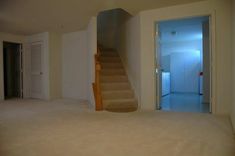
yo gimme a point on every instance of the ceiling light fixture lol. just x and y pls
(174, 33)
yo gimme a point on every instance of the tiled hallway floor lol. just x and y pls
(184, 103)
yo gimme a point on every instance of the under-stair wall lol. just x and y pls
(129, 51)
(92, 49)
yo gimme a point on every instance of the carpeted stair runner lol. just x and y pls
(116, 91)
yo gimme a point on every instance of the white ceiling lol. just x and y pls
(27, 17)
(184, 29)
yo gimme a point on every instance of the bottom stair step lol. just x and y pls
(120, 105)
(119, 94)
(116, 91)
(121, 110)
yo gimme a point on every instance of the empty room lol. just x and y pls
(117, 77)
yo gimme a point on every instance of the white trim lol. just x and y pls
(156, 59)
(212, 25)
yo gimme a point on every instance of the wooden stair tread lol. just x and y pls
(116, 90)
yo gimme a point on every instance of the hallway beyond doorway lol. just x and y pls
(179, 102)
(183, 65)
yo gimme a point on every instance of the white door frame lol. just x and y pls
(212, 59)
(158, 67)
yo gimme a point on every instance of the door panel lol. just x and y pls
(36, 70)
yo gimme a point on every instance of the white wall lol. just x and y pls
(222, 60)
(129, 50)
(233, 51)
(74, 65)
(92, 50)
(55, 62)
(16, 39)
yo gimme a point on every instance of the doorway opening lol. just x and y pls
(183, 65)
(13, 73)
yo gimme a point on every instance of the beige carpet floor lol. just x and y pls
(68, 128)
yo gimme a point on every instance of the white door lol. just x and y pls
(36, 70)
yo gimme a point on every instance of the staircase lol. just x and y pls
(116, 92)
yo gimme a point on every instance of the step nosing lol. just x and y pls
(113, 76)
(109, 70)
(121, 100)
(126, 83)
(124, 90)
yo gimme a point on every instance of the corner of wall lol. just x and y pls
(92, 49)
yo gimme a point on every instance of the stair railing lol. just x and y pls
(96, 84)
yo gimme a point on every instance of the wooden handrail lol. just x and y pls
(96, 84)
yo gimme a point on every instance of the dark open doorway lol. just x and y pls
(12, 70)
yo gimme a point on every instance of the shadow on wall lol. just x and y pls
(109, 27)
